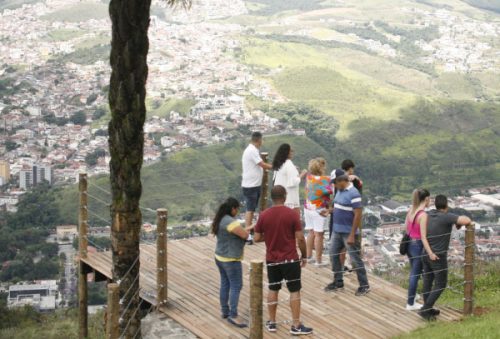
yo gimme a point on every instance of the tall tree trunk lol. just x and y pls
(127, 93)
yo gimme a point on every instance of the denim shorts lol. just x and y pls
(251, 196)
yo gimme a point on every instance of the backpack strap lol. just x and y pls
(414, 219)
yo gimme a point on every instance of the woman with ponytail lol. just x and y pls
(231, 238)
(416, 216)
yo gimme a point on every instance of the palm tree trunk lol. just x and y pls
(127, 93)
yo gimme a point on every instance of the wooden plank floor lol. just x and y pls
(194, 284)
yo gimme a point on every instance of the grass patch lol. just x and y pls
(63, 34)
(86, 56)
(459, 86)
(13, 4)
(345, 99)
(61, 324)
(163, 109)
(487, 300)
(82, 11)
(101, 39)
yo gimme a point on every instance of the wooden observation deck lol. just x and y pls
(193, 296)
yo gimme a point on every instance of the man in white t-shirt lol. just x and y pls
(253, 170)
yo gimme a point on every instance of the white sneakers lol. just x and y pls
(320, 264)
(414, 307)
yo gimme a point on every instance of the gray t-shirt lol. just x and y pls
(438, 229)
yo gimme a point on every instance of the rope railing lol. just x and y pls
(130, 295)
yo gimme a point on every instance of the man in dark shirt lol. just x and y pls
(280, 228)
(348, 167)
(436, 239)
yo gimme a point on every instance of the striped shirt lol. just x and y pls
(344, 204)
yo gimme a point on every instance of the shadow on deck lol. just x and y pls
(193, 301)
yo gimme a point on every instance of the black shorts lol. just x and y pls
(288, 271)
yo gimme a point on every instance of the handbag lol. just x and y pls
(405, 242)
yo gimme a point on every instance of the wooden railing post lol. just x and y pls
(469, 269)
(161, 257)
(82, 252)
(256, 312)
(265, 185)
(113, 311)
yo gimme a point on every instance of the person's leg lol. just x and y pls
(427, 277)
(343, 255)
(318, 239)
(309, 243)
(337, 245)
(274, 277)
(235, 276)
(292, 273)
(295, 308)
(414, 253)
(248, 218)
(272, 304)
(357, 263)
(309, 227)
(440, 269)
(224, 289)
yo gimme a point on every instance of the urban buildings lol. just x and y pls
(30, 177)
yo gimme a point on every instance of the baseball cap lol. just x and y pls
(338, 174)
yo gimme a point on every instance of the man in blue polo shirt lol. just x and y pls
(346, 221)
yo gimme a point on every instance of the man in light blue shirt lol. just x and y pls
(347, 215)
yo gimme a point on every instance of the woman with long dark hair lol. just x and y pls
(287, 175)
(231, 238)
(414, 219)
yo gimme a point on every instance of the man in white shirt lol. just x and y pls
(253, 170)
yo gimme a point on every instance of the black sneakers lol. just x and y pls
(301, 330)
(362, 291)
(434, 311)
(270, 326)
(334, 286)
(427, 315)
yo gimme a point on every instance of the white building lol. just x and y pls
(41, 296)
(33, 176)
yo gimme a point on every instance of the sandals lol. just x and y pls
(237, 324)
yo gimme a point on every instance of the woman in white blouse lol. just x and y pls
(287, 175)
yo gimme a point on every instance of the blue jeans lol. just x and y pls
(337, 243)
(415, 248)
(231, 282)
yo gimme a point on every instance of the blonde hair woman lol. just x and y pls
(316, 207)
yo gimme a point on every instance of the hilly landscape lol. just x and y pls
(409, 89)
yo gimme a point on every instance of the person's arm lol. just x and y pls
(239, 231)
(258, 237)
(301, 243)
(423, 221)
(463, 221)
(236, 229)
(356, 223)
(265, 165)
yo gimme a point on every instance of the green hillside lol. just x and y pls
(490, 5)
(444, 146)
(79, 12)
(190, 183)
(13, 4)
